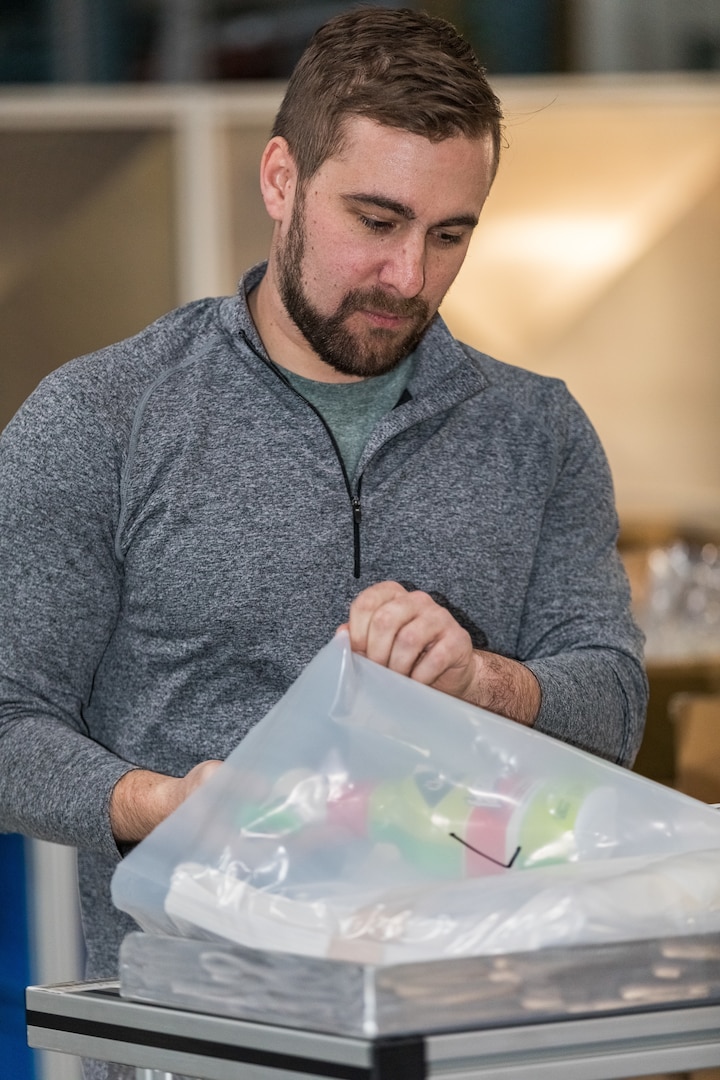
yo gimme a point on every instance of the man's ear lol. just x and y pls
(278, 178)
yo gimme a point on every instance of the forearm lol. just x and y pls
(141, 799)
(55, 783)
(505, 687)
(595, 699)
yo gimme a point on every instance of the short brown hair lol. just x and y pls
(402, 68)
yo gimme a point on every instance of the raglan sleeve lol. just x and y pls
(60, 463)
(578, 635)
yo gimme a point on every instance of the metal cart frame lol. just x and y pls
(92, 1020)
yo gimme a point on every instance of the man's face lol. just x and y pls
(375, 239)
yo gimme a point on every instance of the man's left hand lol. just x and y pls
(410, 633)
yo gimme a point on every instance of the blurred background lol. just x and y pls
(100, 41)
(130, 136)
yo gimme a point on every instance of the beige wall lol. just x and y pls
(115, 207)
(597, 260)
(94, 265)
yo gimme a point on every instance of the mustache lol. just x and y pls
(376, 299)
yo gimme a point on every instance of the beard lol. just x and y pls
(375, 352)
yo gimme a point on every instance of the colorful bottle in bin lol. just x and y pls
(430, 820)
(565, 821)
(296, 799)
(444, 829)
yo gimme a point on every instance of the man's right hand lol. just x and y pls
(142, 799)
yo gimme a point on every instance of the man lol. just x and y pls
(187, 517)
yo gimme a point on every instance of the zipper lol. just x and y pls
(357, 519)
(355, 504)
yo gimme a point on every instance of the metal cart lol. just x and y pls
(92, 1020)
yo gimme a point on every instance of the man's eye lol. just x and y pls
(448, 239)
(375, 224)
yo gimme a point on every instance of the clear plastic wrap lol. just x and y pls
(437, 995)
(371, 819)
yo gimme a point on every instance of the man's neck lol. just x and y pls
(283, 342)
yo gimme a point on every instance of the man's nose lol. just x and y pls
(404, 268)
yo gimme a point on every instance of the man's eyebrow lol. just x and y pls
(405, 211)
(382, 203)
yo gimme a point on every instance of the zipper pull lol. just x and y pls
(357, 518)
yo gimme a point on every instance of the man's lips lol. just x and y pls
(383, 312)
(385, 319)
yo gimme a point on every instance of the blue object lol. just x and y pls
(16, 1059)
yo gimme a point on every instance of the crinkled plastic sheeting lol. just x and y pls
(371, 819)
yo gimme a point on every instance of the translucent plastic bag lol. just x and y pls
(373, 819)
